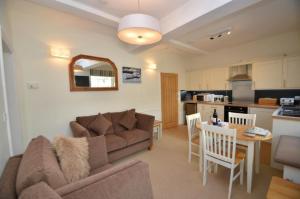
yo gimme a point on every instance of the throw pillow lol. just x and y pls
(73, 154)
(100, 125)
(85, 120)
(128, 120)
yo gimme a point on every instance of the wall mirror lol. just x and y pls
(89, 73)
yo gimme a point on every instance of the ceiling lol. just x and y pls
(254, 23)
(121, 8)
(187, 25)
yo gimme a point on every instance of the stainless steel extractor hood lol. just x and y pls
(240, 73)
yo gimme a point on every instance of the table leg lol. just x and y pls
(250, 158)
(257, 157)
(160, 130)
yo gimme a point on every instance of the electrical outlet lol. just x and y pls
(32, 85)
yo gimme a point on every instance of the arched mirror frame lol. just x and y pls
(73, 86)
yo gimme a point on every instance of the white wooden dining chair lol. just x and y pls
(242, 119)
(219, 147)
(193, 138)
(245, 119)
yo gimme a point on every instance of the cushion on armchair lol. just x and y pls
(73, 154)
(97, 152)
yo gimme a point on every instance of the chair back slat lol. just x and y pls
(219, 142)
(191, 124)
(242, 119)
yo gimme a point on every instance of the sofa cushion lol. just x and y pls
(38, 164)
(128, 120)
(114, 142)
(85, 120)
(108, 117)
(8, 178)
(100, 125)
(73, 154)
(97, 152)
(115, 118)
(135, 136)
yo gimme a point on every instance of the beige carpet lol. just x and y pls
(174, 178)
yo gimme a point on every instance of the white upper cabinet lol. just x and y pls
(208, 79)
(277, 74)
(218, 79)
(193, 80)
(267, 75)
(292, 72)
(281, 73)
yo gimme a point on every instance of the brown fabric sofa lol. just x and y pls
(37, 175)
(120, 141)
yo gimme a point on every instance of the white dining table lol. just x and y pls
(253, 149)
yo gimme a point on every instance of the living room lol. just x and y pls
(38, 99)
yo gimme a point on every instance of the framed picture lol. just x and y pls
(131, 75)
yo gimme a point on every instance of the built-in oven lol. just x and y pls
(234, 109)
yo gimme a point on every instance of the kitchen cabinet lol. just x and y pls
(282, 126)
(192, 81)
(218, 79)
(292, 72)
(208, 79)
(206, 111)
(277, 74)
(267, 75)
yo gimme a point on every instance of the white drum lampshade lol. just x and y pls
(139, 29)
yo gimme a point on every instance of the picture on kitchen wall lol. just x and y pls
(131, 75)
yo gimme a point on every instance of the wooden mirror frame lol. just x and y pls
(73, 86)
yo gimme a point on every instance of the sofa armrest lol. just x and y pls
(9, 177)
(145, 122)
(39, 191)
(78, 130)
(130, 180)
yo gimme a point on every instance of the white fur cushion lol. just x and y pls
(73, 154)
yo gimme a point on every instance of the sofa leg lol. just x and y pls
(150, 147)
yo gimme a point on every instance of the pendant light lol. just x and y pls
(139, 29)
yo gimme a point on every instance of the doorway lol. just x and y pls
(169, 99)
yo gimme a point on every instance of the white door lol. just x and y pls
(5, 146)
(292, 72)
(268, 75)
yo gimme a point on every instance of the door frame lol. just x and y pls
(162, 104)
(5, 115)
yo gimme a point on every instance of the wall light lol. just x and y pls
(60, 52)
(152, 66)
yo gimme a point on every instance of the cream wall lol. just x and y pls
(49, 109)
(266, 48)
